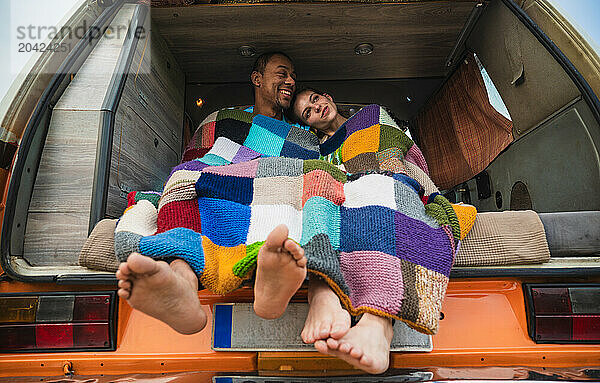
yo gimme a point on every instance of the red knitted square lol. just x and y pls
(179, 214)
(192, 154)
(320, 183)
(208, 134)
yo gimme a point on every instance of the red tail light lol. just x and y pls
(564, 314)
(57, 321)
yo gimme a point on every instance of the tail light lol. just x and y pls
(57, 321)
(563, 313)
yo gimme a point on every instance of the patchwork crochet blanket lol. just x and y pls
(368, 229)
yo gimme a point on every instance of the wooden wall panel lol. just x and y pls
(147, 140)
(59, 211)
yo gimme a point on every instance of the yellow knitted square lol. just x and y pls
(362, 141)
(218, 274)
(466, 217)
(431, 289)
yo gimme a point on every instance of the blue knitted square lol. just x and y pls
(179, 242)
(367, 228)
(273, 125)
(408, 181)
(214, 160)
(292, 150)
(236, 189)
(224, 222)
(263, 141)
(321, 216)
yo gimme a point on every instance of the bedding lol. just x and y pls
(372, 232)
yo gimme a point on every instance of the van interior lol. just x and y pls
(500, 118)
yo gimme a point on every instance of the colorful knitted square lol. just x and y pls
(225, 148)
(367, 228)
(265, 218)
(224, 222)
(233, 124)
(371, 189)
(280, 190)
(381, 289)
(179, 214)
(278, 127)
(321, 216)
(262, 140)
(362, 141)
(235, 189)
(321, 183)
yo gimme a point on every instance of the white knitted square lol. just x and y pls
(278, 191)
(225, 148)
(372, 189)
(139, 219)
(264, 218)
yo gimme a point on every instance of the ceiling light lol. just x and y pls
(199, 102)
(247, 51)
(363, 49)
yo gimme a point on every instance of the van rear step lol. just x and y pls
(237, 328)
(416, 376)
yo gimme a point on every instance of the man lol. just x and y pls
(169, 292)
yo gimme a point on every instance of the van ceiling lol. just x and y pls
(410, 39)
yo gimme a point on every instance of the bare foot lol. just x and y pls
(166, 292)
(280, 271)
(366, 345)
(326, 316)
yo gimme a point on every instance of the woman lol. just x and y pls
(373, 150)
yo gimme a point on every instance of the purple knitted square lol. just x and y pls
(365, 118)
(243, 169)
(374, 279)
(245, 154)
(190, 165)
(423, 245)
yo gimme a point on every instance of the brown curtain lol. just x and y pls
(459, 131)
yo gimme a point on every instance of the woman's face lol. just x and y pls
(315, 110)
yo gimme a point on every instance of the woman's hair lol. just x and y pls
(291, 115)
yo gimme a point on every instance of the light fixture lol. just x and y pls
(363, 49)
(247, 51)
(199, 102)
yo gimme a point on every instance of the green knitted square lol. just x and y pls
(248, 263)
(450, 213)
(392, 137)
(235, 114)
(152, 197)
(337, 174)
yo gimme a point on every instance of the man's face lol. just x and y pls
(278, 83)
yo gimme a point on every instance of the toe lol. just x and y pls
(293, 248)
(124, 269)
(125, 285)
(346, 348)
(305, 335)
(123, 293)
(366, 360)
(302, 262)
(333, 343)
(276, 238)
(140, 264)
(324, 332)
(356, 352)
(321, 346)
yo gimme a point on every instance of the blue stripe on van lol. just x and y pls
(222, 332)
